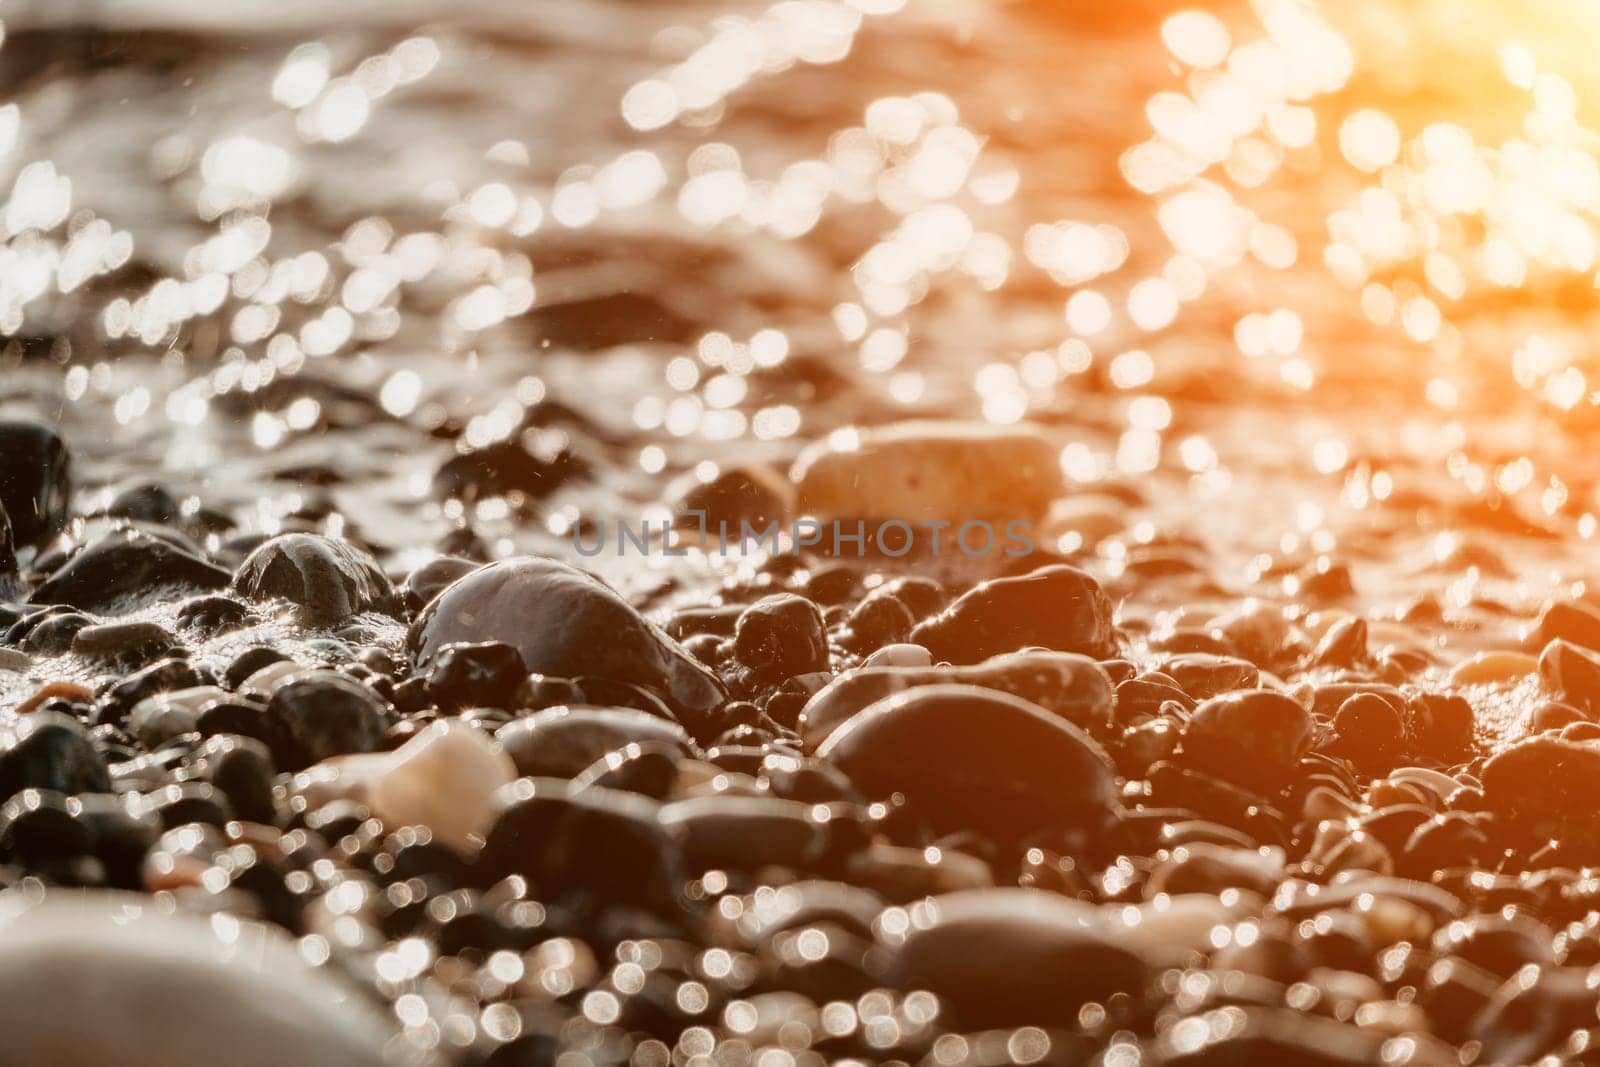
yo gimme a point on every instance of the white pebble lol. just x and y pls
(444, 779)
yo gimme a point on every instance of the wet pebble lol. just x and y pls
(1063, 683)
(781, 636)
(328, 714)
(597, 843)
(1252, 738)
(917, 471)
(565, 623)
(1008, 957)
(1572, 674)
(328, 580)
(445, 779)
(49, 750)
(967, 757)
(126, 567)
(124, 640)
(563, 742)
(1057, 607)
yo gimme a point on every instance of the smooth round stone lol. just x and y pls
(248, 662)
(157, 719)
(242, 768)
(1369, 732)
(566, 623)
(262, 683)
(1571, 621)
(563, 742)
(54, 634)
(328, 580)
(1016, 957)
(920, 471)
(596, 842)
(649, 768)
(1201, 866)
(445, 779)
(430, 579)
(1057, 607)
(1074, 687)
(40, 827)
(330, 714)
(35, 479)
(904, 654)
(123, 638)
(12, 660)
(1202, 675)
(165, 986)
(971, 758)
(1252, 738)
(49, 750)
(1572, 674)
(1544, 786)
(745, 833)
(123, 568)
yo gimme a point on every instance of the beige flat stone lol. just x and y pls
(929, 471)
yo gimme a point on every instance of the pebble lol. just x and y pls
(1253, 738)
(1370, 732)
(49, 750)
(243, 769)
(929, 471)
(165, 985)
(326, 579)
(565, 623)
(157, 719)
(1013, 957)
(1566, 620)
(745, 833)
(35, 479)
(1488, 668)
(967, 757)
(1063, 683)
(1543, 787)
(1057, 607)
(126, 567)
(118, 639)
(329, 714)
(488, 674)
(12, 660)
(1572, 674)
(563, 742)
(445, 779)
(1202, 675)
(781, 636)
(261, 683)
(899, 655)
(431, 579)
(602, 842)
(212, 615)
